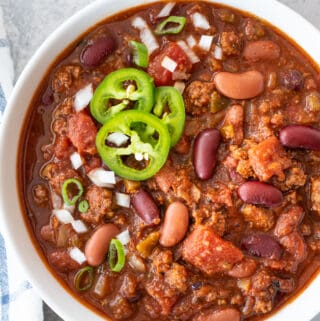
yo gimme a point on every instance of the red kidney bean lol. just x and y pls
(259, 193)
(204, 152)
(300, 136)
(226, 314)
(262, 245)
(175, 226)
(292, 79)
(98, 244)
(243, 269)
(94, 54)
(261, 50)
(146, 208)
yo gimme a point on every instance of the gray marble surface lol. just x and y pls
(30, 22)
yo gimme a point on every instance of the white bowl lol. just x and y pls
(13, 227)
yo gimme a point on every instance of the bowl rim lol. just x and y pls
(11, 225)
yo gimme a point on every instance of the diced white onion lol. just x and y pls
(146, 156)
(79, 226)
(169, 64)
(165, 11)
(138, 156)
(205, 42)
(191, 55)
(218, 54)
(118, 139)
(64, 216)
(124, 237)
(77, 255)
(83, 98)
(180, 85)
(191, 41)
(76, 160)
(69, 208)
(200, 21)
(56, 200)
(123, 199)
(102, 178)
(146, 34)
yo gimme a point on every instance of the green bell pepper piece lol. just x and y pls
(179, 23)
(112, 88)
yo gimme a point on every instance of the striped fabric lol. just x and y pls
(19, 302)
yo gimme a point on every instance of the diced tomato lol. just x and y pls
(163, 76)
(82, 133)
(204, 249)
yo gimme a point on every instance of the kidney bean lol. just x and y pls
(204, 152)
(300, 136)
(146, 208)
(226, 314)
(243, 269)
(292, 79)
(261, 50)
(98, 244)
(94, 54)
(262, 245)
(175, 226)
(244, 85)
(259, 193)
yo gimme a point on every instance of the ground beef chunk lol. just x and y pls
(233, 125)
(82, 133)
(62, 261)
(253, 29)
(40, 194)
(47, 233)
(176, 182)
(197, 97)
(221, 195)
(62, 148)
(161, 260)
(120, 308)
(231, 43)
(204, 249)
(315, 194)
(258, 218)
(59, 174)
(288, 221)
(64, 78)
(64, 109)
(268, 158)
(129, 287)
(100, 201)
(177, 277)
(162, 292)
(60, 126)
(295, 178)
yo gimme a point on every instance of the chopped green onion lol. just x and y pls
(161, 27)
(83, 206)
(117, 256)
(80, 278)
(140, 54)
(66, 190)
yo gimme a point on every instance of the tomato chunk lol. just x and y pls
(204, 249)
(161, 75)
(82, 132)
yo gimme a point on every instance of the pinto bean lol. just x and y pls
(94, 54)
(261, 50)
(98, 244)
(259, 193)
(175, 224)
(300, 136)
(243, 269)
(146, 208)
(262, 245)
(204, 152)
(227, 314)
(244, 85)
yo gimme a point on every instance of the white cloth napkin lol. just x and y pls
(19, 302)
